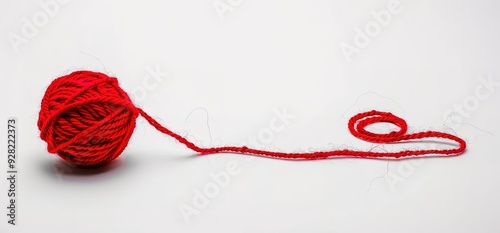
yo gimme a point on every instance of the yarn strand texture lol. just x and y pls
(87, 119)
(356, 125)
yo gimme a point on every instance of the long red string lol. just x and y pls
(356, 125)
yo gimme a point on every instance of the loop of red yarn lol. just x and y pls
(87, 119)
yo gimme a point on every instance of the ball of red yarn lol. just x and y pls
(86, 118)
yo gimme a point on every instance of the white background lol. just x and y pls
(233, 70)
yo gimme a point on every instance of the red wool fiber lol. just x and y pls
(87, 119)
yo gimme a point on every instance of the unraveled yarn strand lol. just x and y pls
(87, 119)
(356, 126)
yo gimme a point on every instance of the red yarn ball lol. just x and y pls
(86, 118)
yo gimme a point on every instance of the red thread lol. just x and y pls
(87, 119)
